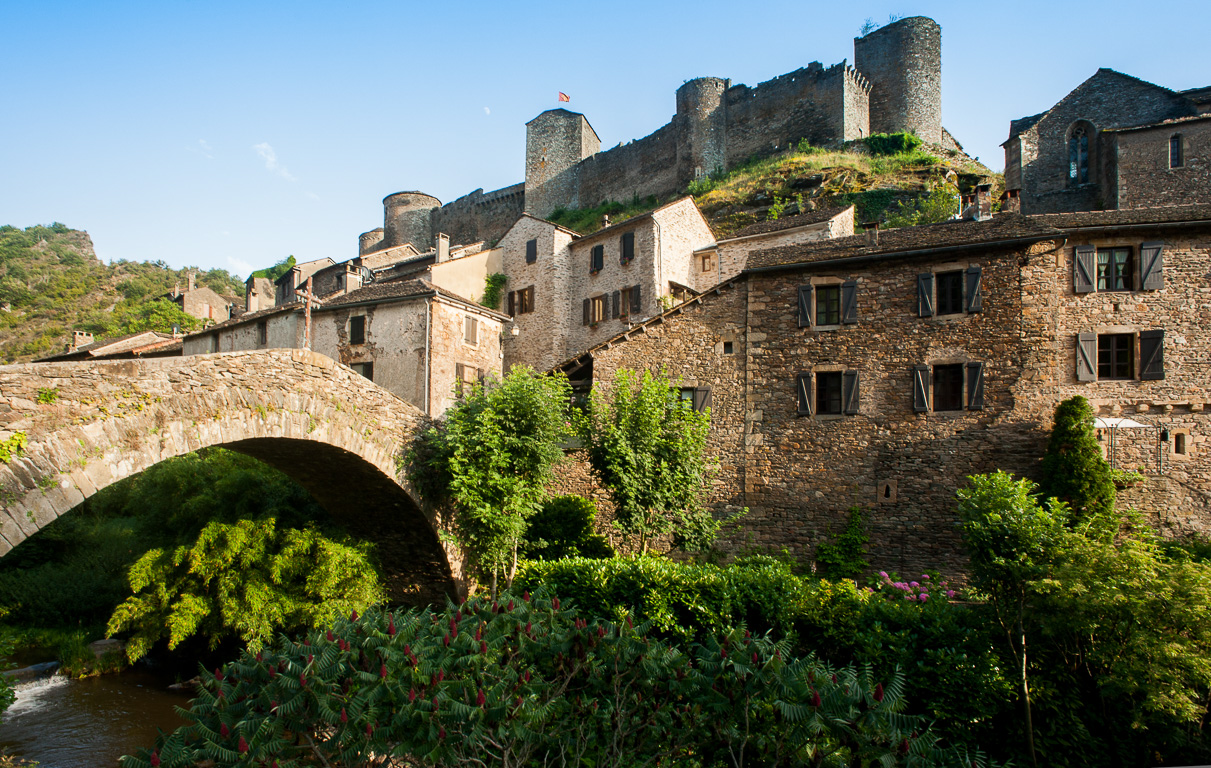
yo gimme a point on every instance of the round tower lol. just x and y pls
(369, 241)
(903, 62)
(701, 106)
(406, 218)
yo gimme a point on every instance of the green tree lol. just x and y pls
(1013, 542)
(1073, 468)
(161, 315)
(246, 578)
(648, 448)
(491, 459)
(564, 528)
(277, 270)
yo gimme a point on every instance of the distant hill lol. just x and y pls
(51, 282)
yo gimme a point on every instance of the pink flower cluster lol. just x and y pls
(915, 591)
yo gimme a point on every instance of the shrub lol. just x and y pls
(531, 682)
(1073, 468)
(845, 558)
(492, 288)
(564, 527)
(891, 143)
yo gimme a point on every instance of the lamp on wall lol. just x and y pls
(514, 330)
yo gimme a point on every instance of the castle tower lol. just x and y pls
(369, 241)
(903, 62)
(406, 217)
(556, 141)
(700, 104)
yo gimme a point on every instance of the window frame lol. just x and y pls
(366, 369)
(1080, 158)
(357, 322)
(471, 330)
(626, 248)
(262, 333)
(1177, 151)
(1116, 340)
(832, 308)
(599, 308)
(955, 372)
(810, 392)
(532, 250)
(596, 258)
(525, 300)
(956, 295)
(830, 397)
(1102, 271)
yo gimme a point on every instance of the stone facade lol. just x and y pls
(731, 254)
(1147, 173)
(903, 62)
(543, 329)
(298, 411)
(1114, 167)
(203, 303)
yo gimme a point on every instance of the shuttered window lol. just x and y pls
(525, 300)
(920, 388)
(1084, 269)
(357, 329)
(828, 305)
(262, 332)
(925, 295)
(948, 387)
(1152, 275)
(849, 302)
(950, 293)
(635, 304)
(531, 251)
(1115, 269)
(849, 392)
(1086, 357)
(1152, 355)
(585, 320)
(698, 398)
(805, 306)
(598, 308)
(616, 305)
(828, 392)
(626, 248)
(596, 258)
(975, 386)
(973, 298)
(471, 330)
(1116, 356)
(803, 394)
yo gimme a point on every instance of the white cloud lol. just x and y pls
(203, 148)
(238, 267)
(271, 161)
(487, 111)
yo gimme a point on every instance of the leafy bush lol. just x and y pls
(891, 143)
(564, 527)
(531, 682)
(492, 287)
(588, 220)
(933, 208)
(1073, 468)
(845, 558)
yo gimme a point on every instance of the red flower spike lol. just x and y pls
(756, 660)
(407, 650)
(155, 759)
(816, 698)
(411, 695)
(307, 642)
(258, 656)
(479, 632)
(723, 653)
(391, 627)
(510, 605)
(273, 705)
(369, 731)
(527, 627)
(879, 692)
(600, 631)
(904, 746)
(242, 747)
(310, 658)
(344, 717)
(480, 699)
(527, 675)
(834, 679)
(629, 624)
(441, 733)
(353, 615)
(518, 702)
(432, 680)
(526, 596)
(441, 675)
(223, 730)
(434, 703)
(331, 636)
(454, 634)
(483, 646)
(302, 680)
(555, 603)
(218, 674)
(446, 640)
(382, 671)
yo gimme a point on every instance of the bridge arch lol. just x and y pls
(89, 424)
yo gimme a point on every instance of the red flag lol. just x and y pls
(563, 96)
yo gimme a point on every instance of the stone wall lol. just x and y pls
(732, 254)
(394, 342)
(1143, 176)
(479, 215)
(283, 330)
(903, 62)
(542, 335)
(448, 348)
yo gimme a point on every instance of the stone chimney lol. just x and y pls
(605, 221)
(443, 248)
(192, 283)
(983, 202)
(79, 339)
(872, 232)
(1011, 201)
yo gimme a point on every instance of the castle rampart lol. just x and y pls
(407, 218)
(903, 62)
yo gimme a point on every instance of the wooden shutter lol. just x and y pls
(616, 304)
(460, 373)
(1152, 355)
(512, 303)
(849, 302)
(1086, 357)
(1152, 275)
(585, 321)
(975, 386)
(920, 388)
(849, 392)
(805, 306)
(627, 248)
(596, 258)
(803, 391)
(925, 295)
(529, 299)
(1084, 269)
(479, 375)
(531, 251)
(702, 398)
(973, 298)
(636, 302)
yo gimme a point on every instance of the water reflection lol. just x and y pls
(90, 723)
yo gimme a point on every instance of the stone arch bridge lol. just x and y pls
(330, 429)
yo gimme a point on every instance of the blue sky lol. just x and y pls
(225, 134)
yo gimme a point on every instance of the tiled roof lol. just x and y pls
(1009, 227)
(1162, 123)
(402, 289)
(130, 341)
(1168, 214)
(615, 227)
(798, 220)
(247, 317)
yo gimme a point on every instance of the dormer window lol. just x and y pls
(1175, 151)
(1078, 156)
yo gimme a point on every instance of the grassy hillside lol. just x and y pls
(52, 282)
(894, 179)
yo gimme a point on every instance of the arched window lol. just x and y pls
(1175, 151)
(1078, 155)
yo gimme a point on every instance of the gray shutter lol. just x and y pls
(1152, 274)
(803, 393)
(975, 386)
(974, 297)
(849, 302)
(805, 306)
(925, 295)
(586, 313)
(512, 303)
(459, 374)
(920, 388)
(626, 251)
(1084, 269)
(615, 304)
(531, 251)
(1086, 357)
(849, 392)
(1152, 355)
(702, 398)
(636, 301)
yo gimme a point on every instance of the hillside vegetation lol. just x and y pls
(51, 282)
(892, 178)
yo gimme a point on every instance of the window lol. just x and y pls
(828, 305)
(596, 259)
(707, 262)
(836, 393)
(596, 309)
(470, 330)
(364, 369)
(950, 292)
(728, 348)
(1175, 151)
(1179, 443)
(262, 332)
(631, 304)
(531, 251)
(525, 300)
(698, 398)
(948, 387)
(1078, 156)
(1114, 269)
(828, 393)
(1116, 356)
(357, 329)
(626, 249)
(214, 342)
(466, 377)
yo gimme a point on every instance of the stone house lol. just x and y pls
(286, 285)
(145, 344)
(880, 371)
(202, 302)
(412, 337)
(727, 257)
(1113, 142)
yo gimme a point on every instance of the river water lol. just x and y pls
(89, 723)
